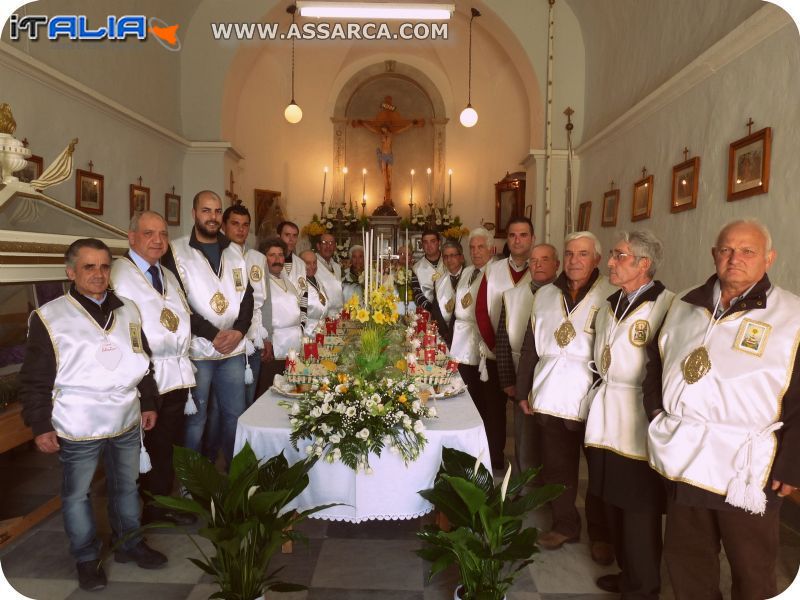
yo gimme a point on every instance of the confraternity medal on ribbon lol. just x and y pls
(696, 365)
(255, 274)
(564, 334)
(436, 276)
(605, 359)
(219, 303)
(169, 319)
(451, 304)
(466, 300)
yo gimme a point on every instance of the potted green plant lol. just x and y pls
(487, 539)
(244, 517)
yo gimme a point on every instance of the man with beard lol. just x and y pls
(236, 225)
(500, 276)
(329, 273)
(316, 294)
(723, 392)
(214, 276)
(554, 372)
(466, 337)
(616, 427)
(515, 316)
(285, 327)
(138, 276)
(427, 270)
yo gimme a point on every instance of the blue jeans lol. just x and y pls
(226, 379)
(79, 461)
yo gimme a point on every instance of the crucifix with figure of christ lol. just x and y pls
(386, 124)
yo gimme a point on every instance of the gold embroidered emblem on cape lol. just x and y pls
(696, 365)
(169, 320)
(466, 300)
(219, 303)
(639, 333)
(451, 304)
(256, 274)
(564, 334)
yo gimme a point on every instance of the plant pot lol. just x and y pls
(457, 594)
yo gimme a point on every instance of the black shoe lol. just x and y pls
(178, 518)
(91, 576)
(143, 555)
(609, 583)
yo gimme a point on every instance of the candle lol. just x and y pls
(324, 181)
(344, 185)
(412, 190)
(430, 186)
(450, 194)
(364, 184)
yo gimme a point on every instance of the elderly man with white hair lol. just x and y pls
(723, 390)
(553, 379)
(352, 278)
(616, 428)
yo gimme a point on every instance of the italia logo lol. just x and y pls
(77, 27)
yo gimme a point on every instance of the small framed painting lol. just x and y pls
(642, 199)
(685, 177)
(172, 209)
(32, 170)
(748, 165)
(610, 208)
(89, 192)
(140, 199)
(584, 213)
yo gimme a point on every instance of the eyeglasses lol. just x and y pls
(328, 243)
(726, 252)
(620, 256)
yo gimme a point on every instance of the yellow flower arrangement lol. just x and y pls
(313, 229)
(362, 315)
(455, 232)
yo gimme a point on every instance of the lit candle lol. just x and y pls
(412, 192)
(430, 186)
(324, 181)
(344, 186)
(450, 193)
(363, 184)
(405, 292)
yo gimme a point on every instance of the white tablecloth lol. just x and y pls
(390, 492)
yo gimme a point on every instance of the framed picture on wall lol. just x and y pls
(685, 177)
(32, 170)
(642, 199)
(584, 213)
(748, 165)
(610, 208)
(89, 192)
(172, 209)
(140, 199)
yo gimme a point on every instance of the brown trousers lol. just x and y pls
(561, 443)
(692, 544)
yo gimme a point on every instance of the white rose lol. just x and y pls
(326, 409)
(419, 427)
(364, 433)
(309, 450)
(412, 388)
(335, 439)
(316, 412)
(295, 408)
(351, 411)
(318, 450)
(431, 412)
(415, 406)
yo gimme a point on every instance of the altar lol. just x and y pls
(390, 492)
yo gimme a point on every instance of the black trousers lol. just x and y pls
(636, 536)
(158, 442)
(267, 374)
(561, 443)
(495, 404)
(692, 541)
(472, 378)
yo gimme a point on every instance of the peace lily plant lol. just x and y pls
(487, 539)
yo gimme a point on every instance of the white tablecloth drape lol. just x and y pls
(390, 492)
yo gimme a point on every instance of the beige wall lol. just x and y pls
(707, 117)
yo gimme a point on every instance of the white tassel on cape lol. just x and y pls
(144, 458)
(248, 373)
(190, 408)
(744, 490)
(483, 349)
(249, 348)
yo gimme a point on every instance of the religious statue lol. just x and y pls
(387, 123)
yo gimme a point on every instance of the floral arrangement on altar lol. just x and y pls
(349, 417)
(438, 219)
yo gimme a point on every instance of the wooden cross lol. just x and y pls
(644, 172)
(173, 190)
(140, 181)
(25, 142)
(91, 166)
(749, 125)
(685, 153)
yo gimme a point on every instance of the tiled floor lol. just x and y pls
(374, 560)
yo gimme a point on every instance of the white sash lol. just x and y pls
(498, 280)
(427, 275)
(316, 310)
(285, 317)
(332, 282)
(518, 302)
(170, 349)
(466, 336)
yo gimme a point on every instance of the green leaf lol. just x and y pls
(473, 496)
(203, 566)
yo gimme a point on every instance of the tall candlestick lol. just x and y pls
(363, 184)
(405, 292)
(364, 246)
(324, 181)
(450, 194)
(430, 187)
(344, 186)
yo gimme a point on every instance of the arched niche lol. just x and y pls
(413, 96)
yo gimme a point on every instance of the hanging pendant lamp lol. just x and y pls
(469, 116)
(293, 113)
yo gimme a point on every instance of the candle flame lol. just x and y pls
(449, 171)
(325, 169)
(363, 171)
(429, 170)
(412, 171)
(344, 170)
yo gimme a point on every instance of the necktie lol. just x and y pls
(156, 275)
(474, 276)
(454, 280)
